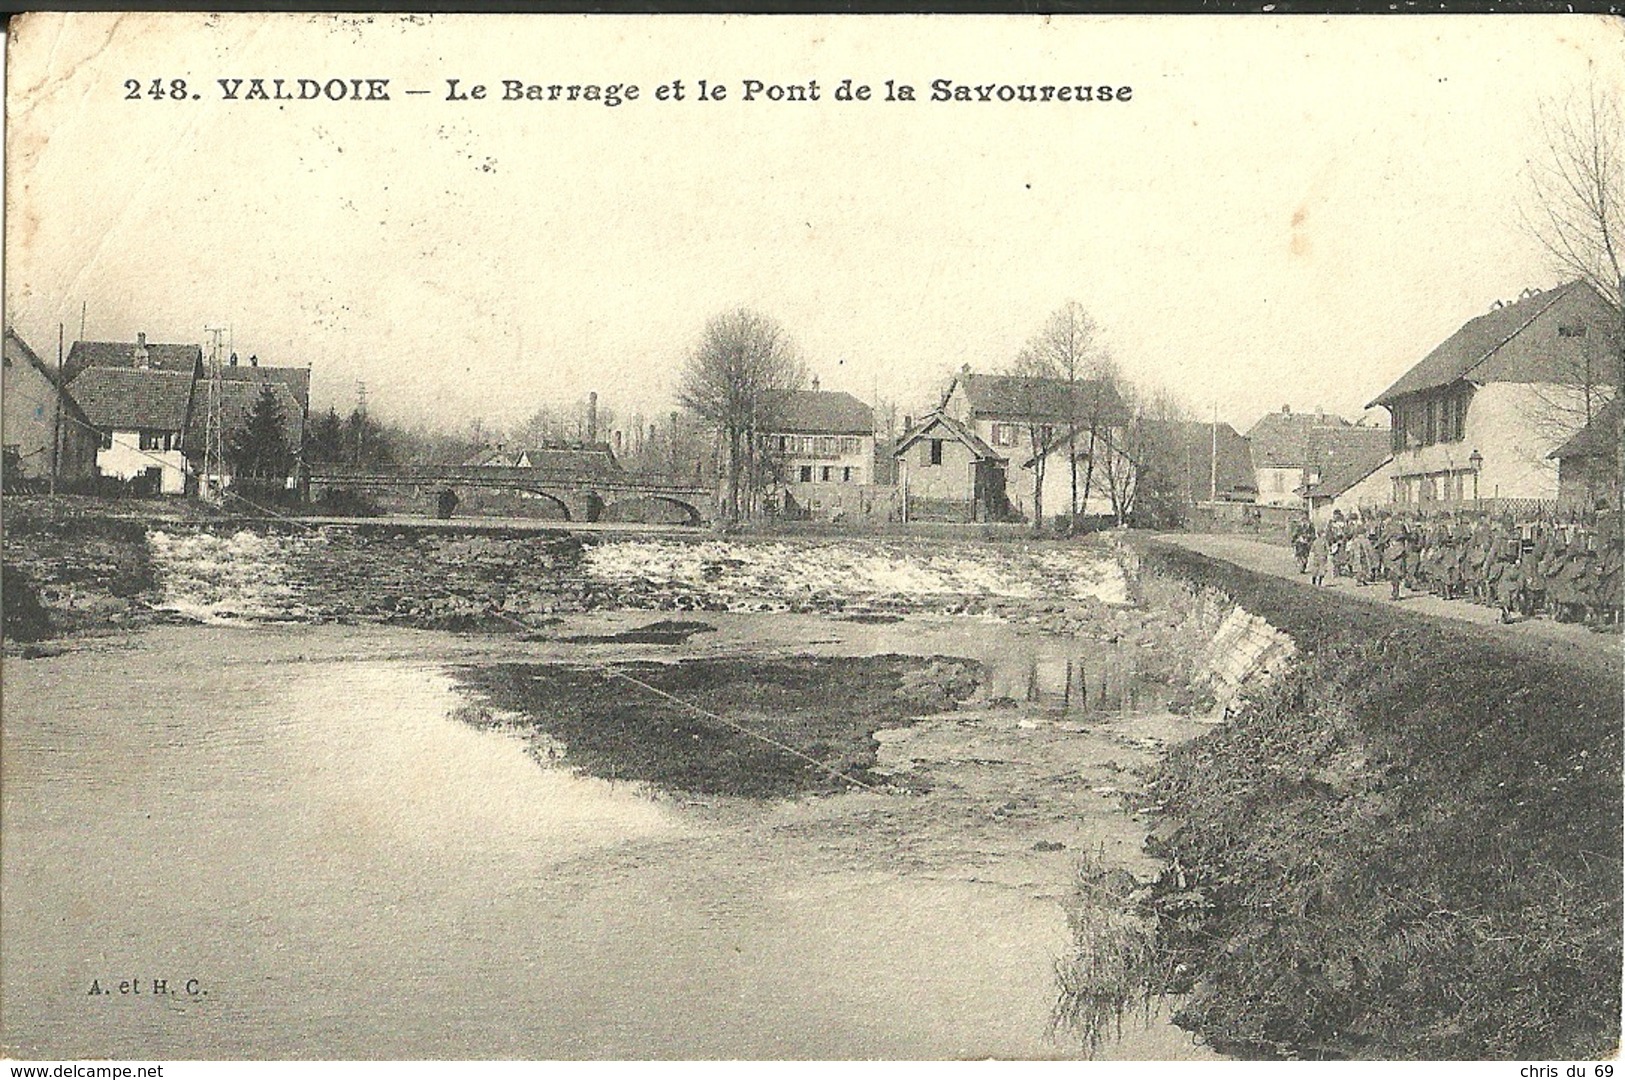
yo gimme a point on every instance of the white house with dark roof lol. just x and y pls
(1478, 411)
(141, 416)
(36, 438)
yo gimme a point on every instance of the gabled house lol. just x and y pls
(149, 404)
(35, 438)
(946, 471)
(823, 437)
(1486, 409)
(141, 416)
(1349, 469)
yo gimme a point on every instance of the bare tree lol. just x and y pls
(738, 379)
(1578, 215)
(1068, 349)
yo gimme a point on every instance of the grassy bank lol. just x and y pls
(1409, 847)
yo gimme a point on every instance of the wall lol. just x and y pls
(27, 421)
(953, 479)
(1276, 486)
(126, 460)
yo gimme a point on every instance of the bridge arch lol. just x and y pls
(557, 500)
(691, 514)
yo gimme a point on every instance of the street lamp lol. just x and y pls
(1475, 461)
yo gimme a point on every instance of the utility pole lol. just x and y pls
(211, 486)
(1213, 461)
(56, 416)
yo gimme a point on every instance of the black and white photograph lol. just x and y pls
(675, 538)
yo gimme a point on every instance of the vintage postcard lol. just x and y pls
(725, 537)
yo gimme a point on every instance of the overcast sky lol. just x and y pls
(1286, 211)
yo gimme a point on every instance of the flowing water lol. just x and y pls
(291, 829)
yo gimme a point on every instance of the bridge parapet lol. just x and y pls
(575, 495)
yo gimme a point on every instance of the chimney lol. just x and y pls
(254, 360)
(233, 360)
(964, 369)
(815, 384)
(1286, 410)
(143, 358)
(592, 417)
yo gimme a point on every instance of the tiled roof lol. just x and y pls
(596, 461)
(131, 399)
(1022, 398)
(980, 450)
(1280, 440)
(121, 354)
(825, 412)
(237, 403)
(1526, 341)
(296, 379)
(1345, 456)
(1601, 436)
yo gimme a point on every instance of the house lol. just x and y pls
(1280, 443)
(141, 416)
(37, 440)
(1480, 415)
(946, 472)
(986, 421)
(138, 354)
(823, 448)
(1588, 465)
(238, 400)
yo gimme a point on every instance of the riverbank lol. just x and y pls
(1409, 847)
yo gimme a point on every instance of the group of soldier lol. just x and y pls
(1569, 570)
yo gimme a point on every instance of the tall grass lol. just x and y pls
(1111, 966)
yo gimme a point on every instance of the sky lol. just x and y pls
(1286, 211)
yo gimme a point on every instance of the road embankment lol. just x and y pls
(1408, 846)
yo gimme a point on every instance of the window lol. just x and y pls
(936, 451)
(806, 474)
(846, 475)
(825, 474)
(104, 439)
(157, 440)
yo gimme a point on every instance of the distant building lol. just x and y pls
(823, 449)
(1488, 407)
(1588, 465)
(1211, 460)
(1280, 444)
(149, 404)
(987, 421)
(1350, 470)
(30, 424)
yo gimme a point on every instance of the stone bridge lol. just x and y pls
(586, 495)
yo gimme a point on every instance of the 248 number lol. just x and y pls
(174, 90)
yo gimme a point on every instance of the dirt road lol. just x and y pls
(1277, 561)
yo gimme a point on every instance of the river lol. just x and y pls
(291, 828)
